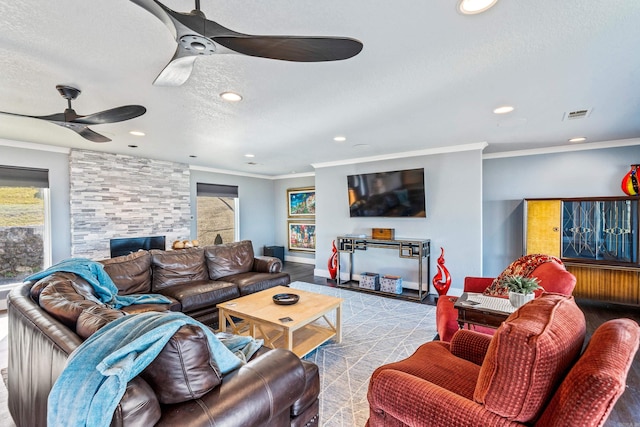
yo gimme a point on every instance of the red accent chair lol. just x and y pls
(530, 373)
(553, 277)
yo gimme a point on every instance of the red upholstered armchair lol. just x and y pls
(529, 373)
(550, 271)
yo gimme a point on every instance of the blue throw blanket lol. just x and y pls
(95, 378)
(104, 288)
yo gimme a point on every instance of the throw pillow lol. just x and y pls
(523, 266)
(184, 369)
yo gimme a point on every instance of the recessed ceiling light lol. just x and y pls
(132, 146)
(471, 7)
(504, 109)
(578, 139)
(137, 133)
(340, 138)
(193, 156)
(249, 155)
(231, 96)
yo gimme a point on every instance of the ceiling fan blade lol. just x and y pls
(83, 131)
(293, 48)
(87, 133)
(114, 115)
(58, 117)
(159, 11)
(177, 70)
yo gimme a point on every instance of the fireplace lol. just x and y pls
(127, 245)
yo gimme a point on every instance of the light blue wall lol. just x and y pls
(58, 166)
(454, 219)
(281, 216)
(256, 206)
(507, 181)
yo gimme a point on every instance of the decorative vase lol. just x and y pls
(630, 184)
(518, 300)
(442, 286)
(332, 264)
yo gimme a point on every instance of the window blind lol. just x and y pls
(12, 176)
(216, 190)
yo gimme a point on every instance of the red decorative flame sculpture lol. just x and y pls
(630, 182)
(333, 261)
(442, 286)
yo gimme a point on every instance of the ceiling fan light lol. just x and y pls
(231, 96)
(472, 7)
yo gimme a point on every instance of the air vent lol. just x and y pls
(577, 114)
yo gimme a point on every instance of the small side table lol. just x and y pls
(473, 313)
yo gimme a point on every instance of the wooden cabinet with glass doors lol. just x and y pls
(596, 238)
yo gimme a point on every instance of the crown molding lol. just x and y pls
(34, 146)
(228, 172)
(563, 149)
(405, 154)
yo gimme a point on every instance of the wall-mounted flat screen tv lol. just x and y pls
(387, 194)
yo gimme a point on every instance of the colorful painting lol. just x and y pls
(302, 236)
(301, 202)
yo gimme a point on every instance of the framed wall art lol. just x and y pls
(302, 236)
(301, 202)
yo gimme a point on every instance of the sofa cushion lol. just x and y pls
(93, 318)
(528, 356)
(138, 406)
(65, 296)
(143, 308)
(249, 283)
(130, 273)
(177, 267)
(228, 259)
(201, 294)
(184, 369)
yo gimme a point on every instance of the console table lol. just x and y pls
(417, 249)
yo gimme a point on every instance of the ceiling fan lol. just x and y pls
(197, 36)
(70, 120)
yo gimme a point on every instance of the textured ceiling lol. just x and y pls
(428, 77)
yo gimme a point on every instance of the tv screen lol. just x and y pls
(387, 194)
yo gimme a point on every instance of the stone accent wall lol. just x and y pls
(114, 196)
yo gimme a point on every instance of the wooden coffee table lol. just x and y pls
(491, 313)
(260, 317)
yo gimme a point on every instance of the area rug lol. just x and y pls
(375, 330)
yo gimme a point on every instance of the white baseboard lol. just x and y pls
(321, 273)
(301, 260)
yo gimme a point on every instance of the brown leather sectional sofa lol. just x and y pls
(50, 318)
